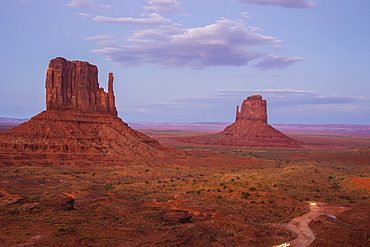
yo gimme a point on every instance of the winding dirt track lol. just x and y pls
(299, 225)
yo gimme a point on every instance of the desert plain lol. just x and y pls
(209, 196)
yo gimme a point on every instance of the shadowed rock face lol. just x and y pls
(74, 85)
(80, 118)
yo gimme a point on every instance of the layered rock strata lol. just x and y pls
(80, 118)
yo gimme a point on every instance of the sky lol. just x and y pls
(195, 60)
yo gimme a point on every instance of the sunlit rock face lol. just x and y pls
(253, 108)
(80, 117)
(74, 85)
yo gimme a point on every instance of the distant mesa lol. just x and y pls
(250, 129)
(80, 117)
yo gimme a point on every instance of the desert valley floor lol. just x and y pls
(208, 196)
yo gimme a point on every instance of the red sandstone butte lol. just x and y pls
(80, 117)
(250, 129)
(74, 85)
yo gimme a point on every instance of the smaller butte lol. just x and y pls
(250, 129)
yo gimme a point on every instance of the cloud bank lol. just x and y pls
(162, 6)
(82, 4)
(224, 43)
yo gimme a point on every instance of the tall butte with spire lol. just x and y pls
(80, 117)
(250, 129)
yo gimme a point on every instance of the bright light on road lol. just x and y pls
(283, 245)
(313, 204)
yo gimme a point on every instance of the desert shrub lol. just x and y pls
(245, 195)
(252, 189)
(344, 197)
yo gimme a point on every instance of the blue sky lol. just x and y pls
(195, 60)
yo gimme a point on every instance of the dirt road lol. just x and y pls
(299, 225)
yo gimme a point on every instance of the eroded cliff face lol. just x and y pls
(253, 108)
(74, 85)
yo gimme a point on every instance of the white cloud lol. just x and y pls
(246, 14)
(82, 4)
(153, 20)
(282, 3)
(162, 6)
(84, 15)
(224, 43)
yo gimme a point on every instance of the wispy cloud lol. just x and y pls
(107, 6)
(282, 3)
(270, 61)
(82, 4)
(152, 19)
(224, 43)
(84, 15)
(162, 6)
(101, 37)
